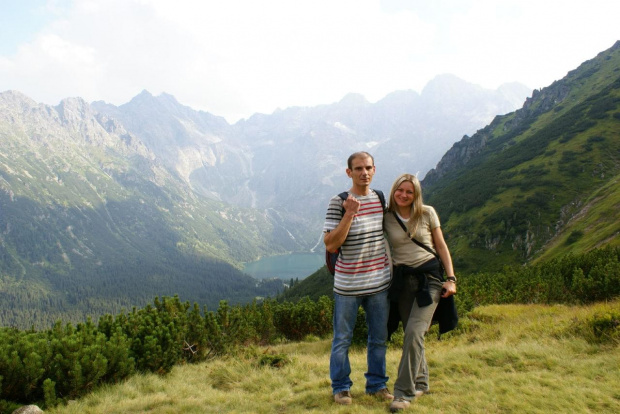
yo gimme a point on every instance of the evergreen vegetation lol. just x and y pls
(120, 285)
(320, 283)
(62, 363)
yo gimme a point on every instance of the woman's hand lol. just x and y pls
(449, 289)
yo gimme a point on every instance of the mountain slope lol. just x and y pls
(528, 181)
(90, 221)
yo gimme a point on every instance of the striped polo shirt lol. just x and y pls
(362, 267)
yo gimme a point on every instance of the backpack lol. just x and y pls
(331, 258)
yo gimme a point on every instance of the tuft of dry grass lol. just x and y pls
(504, 359)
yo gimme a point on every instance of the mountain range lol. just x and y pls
(104, 207)
(290, 162)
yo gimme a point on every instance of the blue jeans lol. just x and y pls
(377, 308)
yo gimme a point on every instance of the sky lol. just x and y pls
(234, 58)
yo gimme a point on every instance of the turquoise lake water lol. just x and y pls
(285, 267)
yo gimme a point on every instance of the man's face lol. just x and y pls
(361, 172)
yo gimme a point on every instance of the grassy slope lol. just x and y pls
(509, 358)
(595, 225)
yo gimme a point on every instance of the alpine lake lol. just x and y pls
(286, 267)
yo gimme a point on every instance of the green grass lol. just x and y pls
(503, 359)
(596, 222)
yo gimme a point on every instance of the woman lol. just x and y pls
(418, 281)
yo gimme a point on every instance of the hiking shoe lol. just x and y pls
(399, 404)
(343, 397)
(383, 394)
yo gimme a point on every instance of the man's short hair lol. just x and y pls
(363, 154)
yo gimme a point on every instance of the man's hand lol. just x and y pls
(351, 205)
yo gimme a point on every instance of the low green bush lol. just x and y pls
(605, 328)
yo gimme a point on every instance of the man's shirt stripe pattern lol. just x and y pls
(362, 267)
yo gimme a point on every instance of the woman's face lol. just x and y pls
(403, 196)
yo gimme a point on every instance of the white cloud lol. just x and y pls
(234, 57)
(533, 42)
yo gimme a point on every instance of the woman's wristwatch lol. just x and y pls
(451, 279)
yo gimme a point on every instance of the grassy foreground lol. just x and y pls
(504, 359)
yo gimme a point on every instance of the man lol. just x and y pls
(362, 278)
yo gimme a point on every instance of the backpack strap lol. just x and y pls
(343, 196)
(332, 258)
(382, 199)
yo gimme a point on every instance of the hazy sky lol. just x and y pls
(234, 58)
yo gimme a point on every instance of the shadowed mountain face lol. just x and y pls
(92, 222)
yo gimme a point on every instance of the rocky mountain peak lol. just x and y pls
(74, 110)
(540, 102)
(353, 100)
(16, 98)
(446, 83)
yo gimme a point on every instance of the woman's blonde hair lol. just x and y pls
(417, 207)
